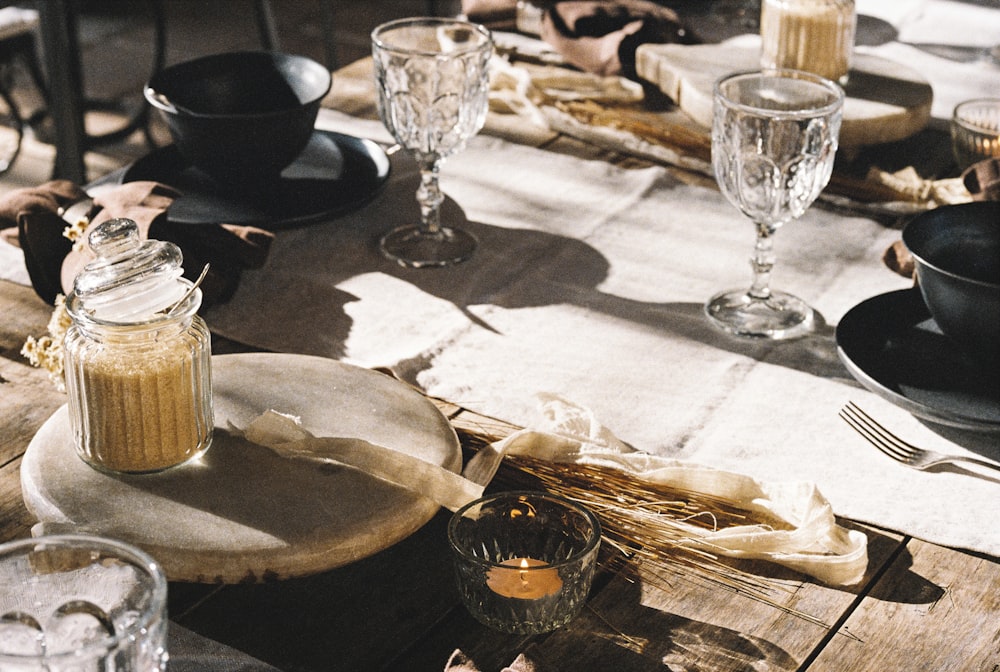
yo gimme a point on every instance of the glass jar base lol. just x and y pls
(413, 247)
(781, 316)
(142, 469)
(515, 626)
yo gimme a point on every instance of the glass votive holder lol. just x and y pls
(75, 602)
(524, 561)
(975, 131)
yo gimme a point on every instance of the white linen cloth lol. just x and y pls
(589, 284)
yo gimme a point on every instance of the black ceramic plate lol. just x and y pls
(891, 345)
(333, 175)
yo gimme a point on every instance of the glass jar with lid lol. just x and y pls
(812, 35)
(137, 356)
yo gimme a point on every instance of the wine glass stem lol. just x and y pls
(429, 197)
(762, 262)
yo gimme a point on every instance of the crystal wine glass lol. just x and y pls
(774, 137)
(433, 87)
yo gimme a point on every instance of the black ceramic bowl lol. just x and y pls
(241, 117)
(956, 249)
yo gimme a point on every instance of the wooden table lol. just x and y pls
(920, 606)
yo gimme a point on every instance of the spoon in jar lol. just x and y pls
(170, 311)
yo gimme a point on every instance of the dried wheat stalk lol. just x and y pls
(645, 533)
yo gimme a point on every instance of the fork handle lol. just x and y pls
(974, 460)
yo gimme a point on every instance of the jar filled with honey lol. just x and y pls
(137, 356)
(816, 36)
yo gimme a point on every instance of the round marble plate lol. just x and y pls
(242, 513)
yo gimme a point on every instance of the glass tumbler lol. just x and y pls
(975, 131)
(524, 561)
(75, 603)
(815, 36)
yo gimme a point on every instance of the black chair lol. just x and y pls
(67, 106)
(18, 50)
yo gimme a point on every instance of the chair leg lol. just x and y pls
(17, 123)
(65, 102)
(266, 25)
(140, 118)
(329, 41)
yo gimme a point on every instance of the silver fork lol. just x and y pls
(900, 450)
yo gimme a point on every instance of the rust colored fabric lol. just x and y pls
(598, 36)
(602, 37)
(53, 262)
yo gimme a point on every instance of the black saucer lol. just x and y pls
(891, 345)
(333, 175)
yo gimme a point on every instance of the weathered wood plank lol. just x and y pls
(357, 617)
(15, 521)
(634, 627)
(934, 609)
(27, 399)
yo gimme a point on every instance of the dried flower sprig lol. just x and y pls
(46, 352)
(75, 231)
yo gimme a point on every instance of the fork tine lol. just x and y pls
(904, 448)
(871, 430)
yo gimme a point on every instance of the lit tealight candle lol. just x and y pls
(524, 579)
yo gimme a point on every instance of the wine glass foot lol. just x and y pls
(413, 247)
(777, 317)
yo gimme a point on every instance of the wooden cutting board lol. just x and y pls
(885, 101)
(242, 513)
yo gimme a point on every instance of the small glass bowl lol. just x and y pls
(975, 131)
(524, 561)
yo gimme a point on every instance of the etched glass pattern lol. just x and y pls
(562, 536)
(73, 603)
(774, 138)
(432, 84)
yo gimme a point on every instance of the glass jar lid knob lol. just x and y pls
(130, 280)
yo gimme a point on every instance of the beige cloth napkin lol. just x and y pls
(982, 180)
(283, 434)
(816, 545)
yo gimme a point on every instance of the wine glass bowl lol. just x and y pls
(774, 138)
(432, 84)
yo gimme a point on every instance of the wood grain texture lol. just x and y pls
(934, 609)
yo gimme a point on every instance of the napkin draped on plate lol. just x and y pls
(595, 36)
(814, 544)
(35, 219)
